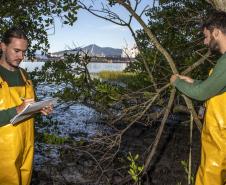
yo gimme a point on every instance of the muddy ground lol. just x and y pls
(166, 168)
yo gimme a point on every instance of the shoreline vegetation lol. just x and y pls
(116, 75)
(73, 159)
(129, 80)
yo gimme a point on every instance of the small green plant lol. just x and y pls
(185, 166)
(135, 170)
(53, 139)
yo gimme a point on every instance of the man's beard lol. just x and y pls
(10, 63)
(214, 46)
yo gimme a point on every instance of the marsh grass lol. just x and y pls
(131, 80)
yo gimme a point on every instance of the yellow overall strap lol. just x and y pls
(1, 82)
(4, 89)
(28, 85)
(23, 76)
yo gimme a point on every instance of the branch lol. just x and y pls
(112, 17)
(159, 134)
(164, 52)
(151, 36)
(196, 64)
(194, 114)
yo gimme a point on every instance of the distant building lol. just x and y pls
(130, 52)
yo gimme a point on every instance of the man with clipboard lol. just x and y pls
(16, 92)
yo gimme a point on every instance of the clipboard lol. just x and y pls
(31, 109)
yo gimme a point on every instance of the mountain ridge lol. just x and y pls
(93, 50)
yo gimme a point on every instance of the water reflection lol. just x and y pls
(73, 120)
(97, 67)
(70, 120)
(92, 67)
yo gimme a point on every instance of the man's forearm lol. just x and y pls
(7, 115)
(200, 90)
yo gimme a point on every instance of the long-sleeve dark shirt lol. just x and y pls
(202, 90)
(13, 78)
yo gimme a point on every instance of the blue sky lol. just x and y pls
(89, 29)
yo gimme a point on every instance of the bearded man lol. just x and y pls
(212, 170)
(16, 92)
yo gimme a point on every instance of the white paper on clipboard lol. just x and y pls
(31, 109)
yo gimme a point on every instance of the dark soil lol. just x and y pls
(166, 167)
(175, 146)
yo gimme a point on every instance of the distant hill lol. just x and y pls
(94, 50)
(102, 51)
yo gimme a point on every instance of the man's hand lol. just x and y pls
(24, 104)
(182, 77)
(173, 78)
(47, 110)
(186, 78)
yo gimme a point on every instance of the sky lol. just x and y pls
(89, 29)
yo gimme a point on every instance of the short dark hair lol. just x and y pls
(216, 20)
(13, 32)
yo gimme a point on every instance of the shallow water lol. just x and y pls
(92, 67)
(76, 121)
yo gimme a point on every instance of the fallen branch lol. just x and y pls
(153, 147)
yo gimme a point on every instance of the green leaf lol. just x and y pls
(135, 178)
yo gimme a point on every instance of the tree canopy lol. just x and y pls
(37, 18)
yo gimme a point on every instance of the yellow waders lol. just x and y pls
(16, 142)
(212, 170)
